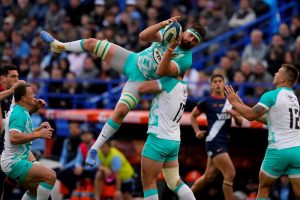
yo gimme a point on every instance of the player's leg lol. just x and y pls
(128, 101)
(112, 54)
(171, 170)
(150, 171)
(43, 177)
(294, 169)
(273, 166)
(98, 184)
(174, 182)
(209, 175)
(224, 164)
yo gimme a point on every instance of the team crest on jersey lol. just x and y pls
(184, 91)
(291, 97)
(157, 55)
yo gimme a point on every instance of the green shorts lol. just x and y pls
(279, 162)
(161, 150)
(131, 70)
(19, 170)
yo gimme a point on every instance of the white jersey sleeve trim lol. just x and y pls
(159, 84)
(14, 129)
(263, 105)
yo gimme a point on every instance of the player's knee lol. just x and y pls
(209, 178)
(51, 177)
(90, 44)
(230, 175)
(129, 100)
(171, 176)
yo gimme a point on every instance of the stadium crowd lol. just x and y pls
(120, 21)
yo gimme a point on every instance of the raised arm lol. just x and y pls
(151, 34)
(166, 67)
(244, 110)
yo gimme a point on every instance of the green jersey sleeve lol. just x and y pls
(183, 61)
(268, 99)
(17, 121)
(167, 83)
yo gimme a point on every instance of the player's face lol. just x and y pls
(188, 40)
(279, 76)
(11, 78)
(29, 97)
(105, 148)
(218, 85)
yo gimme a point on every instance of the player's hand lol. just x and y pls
(231, 95)
(169, 21)
(46, 133)
(232, 112)
(45, 125)
(175, 43)
(118, 195)
(17, 84)
(200, 134)
(40, 103)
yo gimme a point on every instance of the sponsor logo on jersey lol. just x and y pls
(184, 91)
(223, 116)
(157, 55)
(291, 98)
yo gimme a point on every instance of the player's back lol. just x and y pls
(282, 118)
(167, 108)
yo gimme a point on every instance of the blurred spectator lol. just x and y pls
(2, 42)
(64, 65)
(256, 50)
(67, 158)
(228, 7)
(217, 23)
(68, 32)
(70, 86)
(26, 31)
(296, 52)
(21, 48)
(8, 26)
(21, 12)
(54, 16)
(243, 15)
(77, 62)
(23, 68)
(283, 189)
(38, 12)
(54, 87)
(260, 74)
(74, 11)
(275, 54)
(191, 76)
(247, 70)
(235, 58)
(295, 26)
(286, 35)
(226, 65)
(8, 54)
(36, 72)
(114, 166)
(98, 13)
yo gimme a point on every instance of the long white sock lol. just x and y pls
(151, 194)
(75, 46)
(27, 196)
(44, 191)
(107, 131)
(184, 192)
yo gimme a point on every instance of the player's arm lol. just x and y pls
(10, 91)
(166, 66)
(244, 110)
(31, 157)
(116, 165)
(262, 119)
(193, 118)
(149, 87)
(151, 34)
(236, 117)
(16, 137)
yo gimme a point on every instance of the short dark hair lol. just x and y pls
(292, 73)
(20, 91)
(215, 76)
(4, 70)
(200, 29)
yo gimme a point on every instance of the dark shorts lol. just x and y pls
(1, 142)
(214, 148)
(128, 186)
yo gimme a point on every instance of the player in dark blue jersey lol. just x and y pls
(219, 113)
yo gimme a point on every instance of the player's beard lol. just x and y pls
(185, 45)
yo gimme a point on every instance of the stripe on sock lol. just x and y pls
(46, 186)
(150, 192)
(178, 187)
(81, 45)
(97, 47)
(113, 124)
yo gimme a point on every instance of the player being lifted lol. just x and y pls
(160, 59)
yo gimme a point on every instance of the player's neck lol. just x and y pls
(217, 95)
(27, 107)
(283, 85)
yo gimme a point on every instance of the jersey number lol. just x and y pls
(179, 112)
(294, 118)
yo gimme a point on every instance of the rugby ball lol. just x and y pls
(171, 32)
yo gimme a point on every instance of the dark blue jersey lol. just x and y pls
(219, 120)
